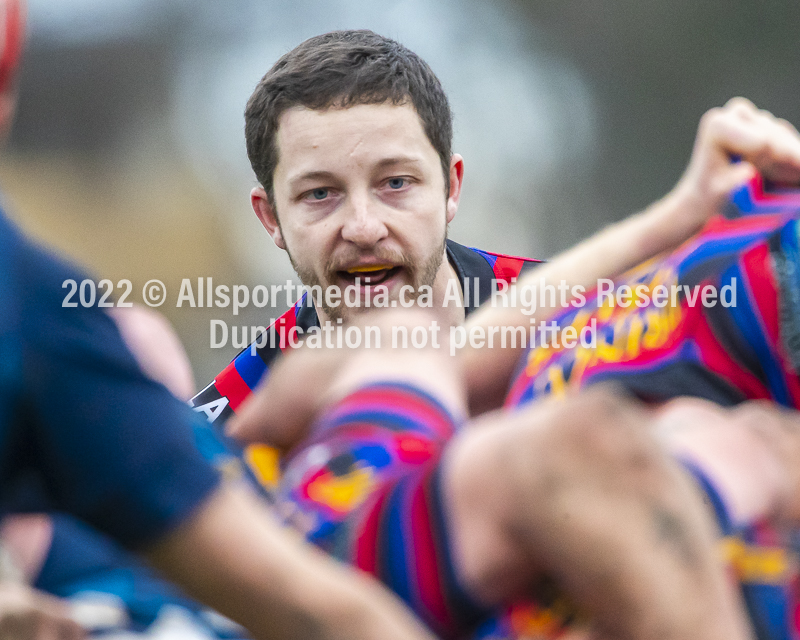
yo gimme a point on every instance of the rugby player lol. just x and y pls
(350, 136)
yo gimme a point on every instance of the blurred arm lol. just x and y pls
(233, 555)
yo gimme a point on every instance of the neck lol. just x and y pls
(447, 287)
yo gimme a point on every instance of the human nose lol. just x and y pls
(363, 225)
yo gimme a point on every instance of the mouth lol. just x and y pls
(372, 274)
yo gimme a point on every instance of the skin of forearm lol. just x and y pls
(234, 556)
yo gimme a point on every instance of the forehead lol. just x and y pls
(342, 136)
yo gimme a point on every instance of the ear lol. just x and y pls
(266, 213)
(456, 180)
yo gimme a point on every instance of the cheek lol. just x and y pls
(313, 246)
(424, 218)
(420, 233)
(432, 226)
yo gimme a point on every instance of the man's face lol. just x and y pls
(359, 193)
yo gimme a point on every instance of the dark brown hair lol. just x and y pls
(342, 69)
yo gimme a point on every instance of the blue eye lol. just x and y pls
(319, 194)
(397, 183)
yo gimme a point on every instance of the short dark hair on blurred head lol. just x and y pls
(341, 69)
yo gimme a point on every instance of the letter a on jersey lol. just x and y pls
(213, 409)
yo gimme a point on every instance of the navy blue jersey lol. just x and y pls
(80, 422)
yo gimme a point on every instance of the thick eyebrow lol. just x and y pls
(311, 175)
(390, 162)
